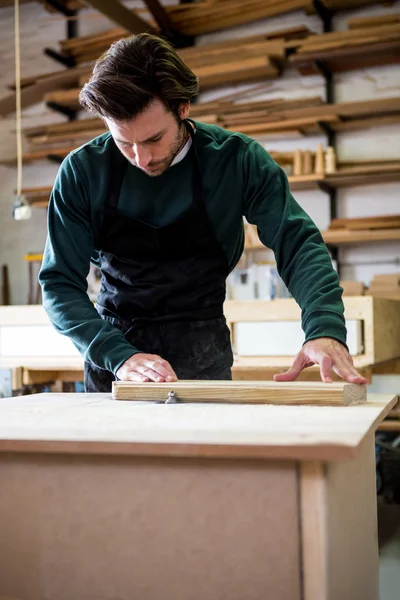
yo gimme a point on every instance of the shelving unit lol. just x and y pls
(340, 238)
(39, 197)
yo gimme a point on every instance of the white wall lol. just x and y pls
(40, 28)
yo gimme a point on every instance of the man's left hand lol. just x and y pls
(330, 355)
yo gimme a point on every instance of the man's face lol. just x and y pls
(152, 139)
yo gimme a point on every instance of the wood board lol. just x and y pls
(244, 392)
(94, 424)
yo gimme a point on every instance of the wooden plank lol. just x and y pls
(358, 22)
(378, 222)
(33, 94)
(349, 58)
(345, 236)
(386, 316)
(389, 425)
(314, 535)
(121, 15)
(338, 525)
(243, 392)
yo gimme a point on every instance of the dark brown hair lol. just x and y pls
(132, 73)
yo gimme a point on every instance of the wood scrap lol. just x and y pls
(352, 288)
(243, 392)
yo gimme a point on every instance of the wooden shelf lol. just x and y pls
(344, 237)
(350, 176)
(348, 59)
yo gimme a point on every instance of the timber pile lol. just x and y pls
(264, 118)
(88, 48)
(368, 229)
(198, 18)
(385, 286)
(265, 51)
(356, 48)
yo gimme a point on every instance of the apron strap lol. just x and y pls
(118, 166)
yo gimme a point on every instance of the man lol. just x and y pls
(158, 204)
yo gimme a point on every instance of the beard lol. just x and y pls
(158, 168)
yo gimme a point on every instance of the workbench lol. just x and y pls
(108, 499)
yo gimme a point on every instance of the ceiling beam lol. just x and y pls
(160, 15)
(121, 15)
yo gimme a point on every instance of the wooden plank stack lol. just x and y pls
(368, 45)
(195, 19)
(262, 55)
(198, 18)
(385, 286)
(265, 118)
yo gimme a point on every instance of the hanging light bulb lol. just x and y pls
(21, 210)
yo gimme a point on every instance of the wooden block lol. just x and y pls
(298, 163)
(352, 288)
(319, 160)
(244, 392)
(307, 162)
(388, 278)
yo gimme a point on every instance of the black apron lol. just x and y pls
(164, 287)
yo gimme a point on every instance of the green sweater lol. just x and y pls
(239, 178)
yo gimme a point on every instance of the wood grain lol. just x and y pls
(338, 517)
(95, 424)
(244, 392)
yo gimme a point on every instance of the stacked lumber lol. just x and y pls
(367, 229)
(223, 63)
(195, 19)
(268, 46)
(270, 119)
(264, 118)
(385, 286)
(352, 288)
(364, 223)
(198, 18)
(358, 47)
(54, 137)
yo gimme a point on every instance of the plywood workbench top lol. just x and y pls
(97, 424)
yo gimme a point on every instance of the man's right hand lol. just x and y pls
(146, 367)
